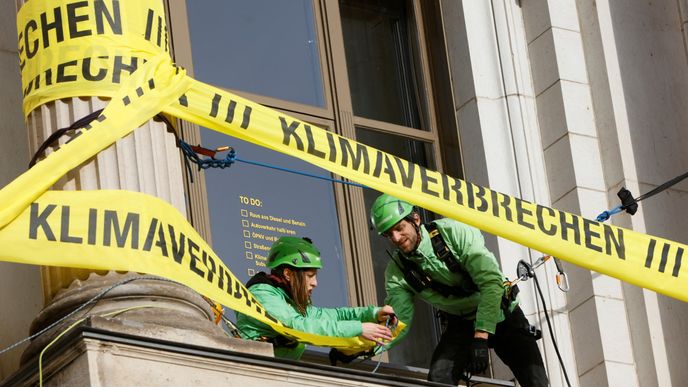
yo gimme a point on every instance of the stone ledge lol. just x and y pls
(94, 357)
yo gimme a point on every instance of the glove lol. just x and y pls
(336, 356)
(480, 356)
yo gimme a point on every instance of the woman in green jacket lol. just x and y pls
(286, 295)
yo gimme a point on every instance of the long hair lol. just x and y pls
(297, 287)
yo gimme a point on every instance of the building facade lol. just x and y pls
(560, 103)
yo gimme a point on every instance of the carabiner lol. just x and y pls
(563, 282)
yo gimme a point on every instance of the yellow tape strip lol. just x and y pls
(74, 48)
(131, 231)
(79, 218)
(647, 261)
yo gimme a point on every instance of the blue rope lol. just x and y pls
(209, 162)
(607, 214)
(212, 162)
(392, 327)
(301, 173)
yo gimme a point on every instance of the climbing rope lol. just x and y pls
(391, 323)
(191, 154)
(630, 204)
(91, 301)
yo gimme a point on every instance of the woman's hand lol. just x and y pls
(385, 313)
(376, 332)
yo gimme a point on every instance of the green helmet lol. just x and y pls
(388, 211)
(295, 252)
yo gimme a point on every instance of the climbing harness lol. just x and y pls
(439, 246)
(630, 205)
(419, 280)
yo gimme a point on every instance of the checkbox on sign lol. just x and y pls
(244, 223)
(251, 272)
(247, 234)
(244, 213)
(249, 255)
(247, 244)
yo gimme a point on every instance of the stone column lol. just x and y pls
(148, 161)
(496, 111)
(566, 73)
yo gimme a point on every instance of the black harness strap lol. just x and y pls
(419, 280)
(439, 246)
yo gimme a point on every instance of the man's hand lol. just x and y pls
(481, 335)
(385, 313)
(376, 332)
(480, 357)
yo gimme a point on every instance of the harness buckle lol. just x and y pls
(535, 332)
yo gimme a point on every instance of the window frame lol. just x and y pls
(337, 115)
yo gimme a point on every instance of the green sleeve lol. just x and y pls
(400, 298)
(481, 265)
(319, 321)
(363, 314)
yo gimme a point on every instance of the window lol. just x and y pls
(361, 68)
(266, 47)
(273, 40)
(419, 344)
(383, 61)
(378, 61)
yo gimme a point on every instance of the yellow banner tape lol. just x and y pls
(77, 48)
(131, 231)
(106, 229)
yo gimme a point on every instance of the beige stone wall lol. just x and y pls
(563, 102)
(501, 144)
(636, 58)
(20, 285)
(643, 47)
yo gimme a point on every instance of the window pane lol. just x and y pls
(379, 60)
(251, 205)
(265, 47)
(416, 348)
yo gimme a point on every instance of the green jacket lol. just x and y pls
(468, 247)
(338, 322)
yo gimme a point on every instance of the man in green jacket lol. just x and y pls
(447, 265)
(285, 294)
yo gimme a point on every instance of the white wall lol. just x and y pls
(563, 102)
(501, 143)
(653, 72)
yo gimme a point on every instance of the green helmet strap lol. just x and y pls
(295, 252)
